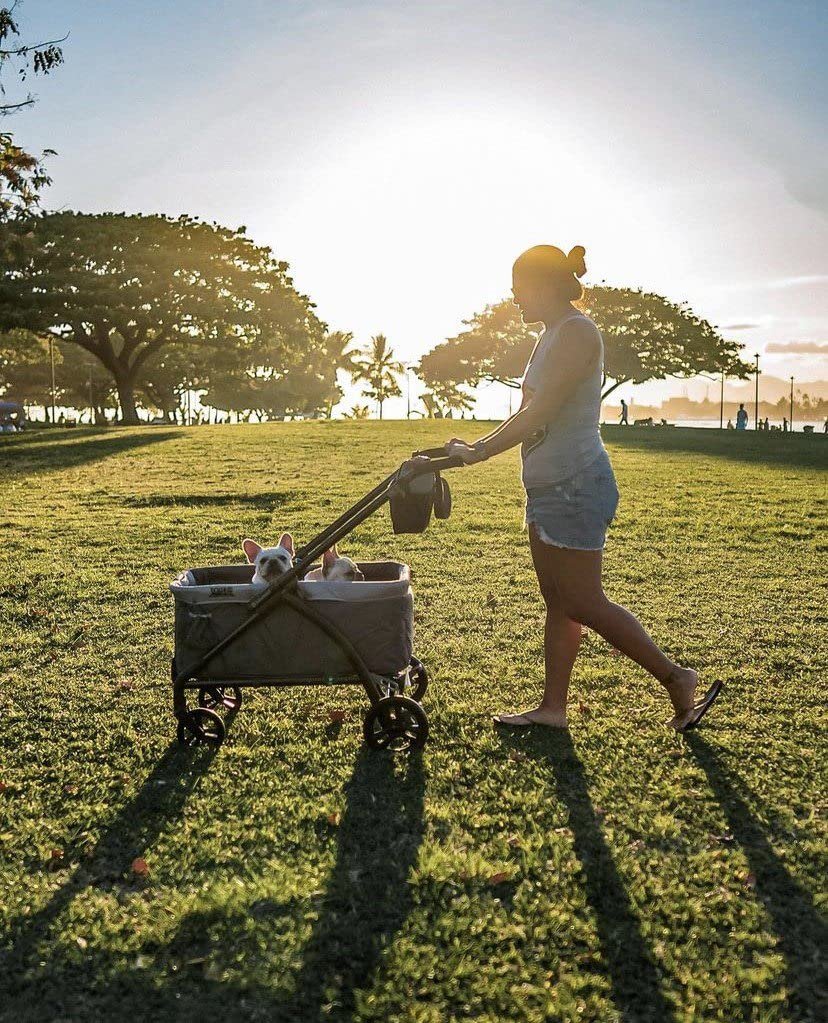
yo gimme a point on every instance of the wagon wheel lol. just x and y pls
(396, 723)
(220, 698)
(200, 727)
(418, 677)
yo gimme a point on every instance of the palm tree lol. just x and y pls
(357, 412)
(376, 365)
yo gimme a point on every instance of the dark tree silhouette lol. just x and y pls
(124, 288)
(646, 337)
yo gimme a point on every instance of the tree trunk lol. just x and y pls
(125, 384)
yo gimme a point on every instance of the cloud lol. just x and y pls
(740, 326)
(797, 348)
(796, 282)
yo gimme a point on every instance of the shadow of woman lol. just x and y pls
(138, 824)
(799, 925)
(368, 897)
(634, 978)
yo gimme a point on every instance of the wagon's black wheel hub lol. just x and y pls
(200, 727)
(418, 677)
(220, 697)
(396, 723)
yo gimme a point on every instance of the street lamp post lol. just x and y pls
(792, 380)
(756, 412)
(52, 362)
(721, 403)
(407, 392)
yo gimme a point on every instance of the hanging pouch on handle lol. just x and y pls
(411, 504)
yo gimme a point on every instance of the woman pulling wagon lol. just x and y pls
(571, 493)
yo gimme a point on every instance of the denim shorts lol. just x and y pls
(576, 512)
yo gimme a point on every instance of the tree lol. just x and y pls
(22, 176)
(125, 287)
(646, 337)
(26, 374)
(377, 366)
(303, 383)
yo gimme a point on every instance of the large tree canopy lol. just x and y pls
(125, 287)
(646, 337)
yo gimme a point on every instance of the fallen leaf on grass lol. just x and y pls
(500, 877)
(55, 859)
(337, 715)
(140, 867)
(81, 942)
(749, 880)
(333, 820)
(3, 786)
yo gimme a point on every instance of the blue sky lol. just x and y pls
(400, 155)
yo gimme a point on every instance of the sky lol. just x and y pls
(400, 155)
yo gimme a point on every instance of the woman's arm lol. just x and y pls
(574, 352)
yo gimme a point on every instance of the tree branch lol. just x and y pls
(618, 383)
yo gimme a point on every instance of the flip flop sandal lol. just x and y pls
(523, 722)
(702, 707)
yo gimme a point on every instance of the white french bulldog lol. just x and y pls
(270, 562)
(336, 568)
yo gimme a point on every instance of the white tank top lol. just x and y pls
(571, 441)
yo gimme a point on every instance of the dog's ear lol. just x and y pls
(251, 550)
(286, 541)
(328, 560)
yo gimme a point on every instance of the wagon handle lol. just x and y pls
(435, 460)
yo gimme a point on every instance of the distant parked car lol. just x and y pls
(12, 416)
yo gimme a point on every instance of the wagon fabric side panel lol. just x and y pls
(377, 616)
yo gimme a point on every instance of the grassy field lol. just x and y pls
(616, 873)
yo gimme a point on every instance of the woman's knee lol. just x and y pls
(584, 608)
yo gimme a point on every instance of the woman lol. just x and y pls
(571, 496)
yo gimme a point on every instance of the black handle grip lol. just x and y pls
(438, 460)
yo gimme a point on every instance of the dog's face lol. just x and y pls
(339, 569)
(270, 562)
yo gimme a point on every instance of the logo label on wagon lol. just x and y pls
(221, 591)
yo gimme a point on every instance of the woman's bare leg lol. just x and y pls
(577, 579)
(561, 641)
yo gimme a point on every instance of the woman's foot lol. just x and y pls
(539, 716)
(681, 685)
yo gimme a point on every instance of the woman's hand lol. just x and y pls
(470, 453)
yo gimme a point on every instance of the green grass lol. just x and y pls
(620, 873)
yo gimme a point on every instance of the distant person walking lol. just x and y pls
(741, 418)
(825, 425)
(571, 493)
(625, 413)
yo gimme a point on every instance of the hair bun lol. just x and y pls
(575, 260)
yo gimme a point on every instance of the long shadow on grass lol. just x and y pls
(800, 450)
(799, 925)
(366, 902)
(266, 501)
(368, 896)
(28, 454)
(635, 981)
(28, 970)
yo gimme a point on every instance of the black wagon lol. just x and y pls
(230, 634)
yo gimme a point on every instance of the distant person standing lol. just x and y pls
(625, 413)
(784, 424)
(825, 425)
(766, 427)
(741, 418)
(730, 424)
